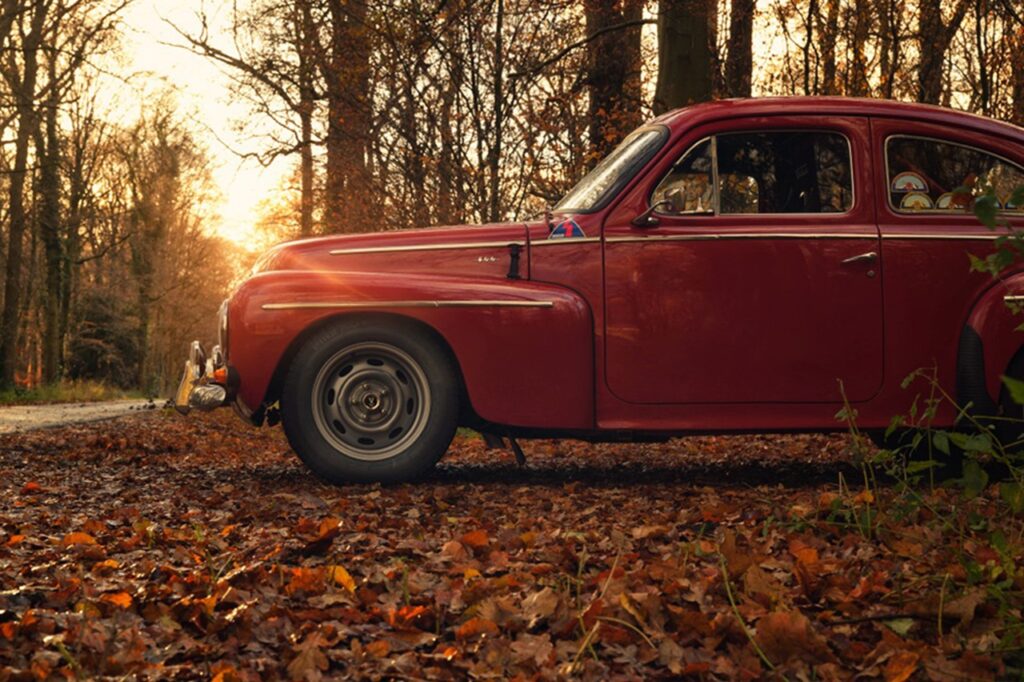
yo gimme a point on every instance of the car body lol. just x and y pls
(727, 272)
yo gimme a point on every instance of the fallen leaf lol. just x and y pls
(901, 666)
(540, 605)
(477, 539)
(78, 539)
(119, 599)
(341, 576)
(788, 635)
(475, 627)
(309, 661)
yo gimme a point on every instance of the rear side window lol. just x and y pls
(762, 173)
(932, 175)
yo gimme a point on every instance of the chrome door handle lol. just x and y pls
(868, 257)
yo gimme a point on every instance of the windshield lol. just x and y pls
(600, 184)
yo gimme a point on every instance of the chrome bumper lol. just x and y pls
(208, 382)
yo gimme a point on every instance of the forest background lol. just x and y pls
(388, 115)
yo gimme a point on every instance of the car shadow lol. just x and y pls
(796, 475)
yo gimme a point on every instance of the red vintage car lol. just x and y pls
(723, 270)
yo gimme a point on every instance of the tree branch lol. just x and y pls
(578, 44)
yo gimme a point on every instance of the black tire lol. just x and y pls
(370, 400)
(901, 441)
(1010, 426)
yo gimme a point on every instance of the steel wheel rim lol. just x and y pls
(370, 400)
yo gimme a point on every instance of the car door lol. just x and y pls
(763, 281)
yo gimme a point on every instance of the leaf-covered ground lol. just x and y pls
(162, 547)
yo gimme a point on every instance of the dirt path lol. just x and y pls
(28, 417)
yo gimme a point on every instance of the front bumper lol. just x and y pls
(208, 382)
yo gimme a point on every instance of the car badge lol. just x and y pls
(567, 229)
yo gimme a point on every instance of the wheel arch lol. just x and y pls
(274, 387)
(989, 342)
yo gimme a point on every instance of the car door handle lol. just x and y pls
(868, 257)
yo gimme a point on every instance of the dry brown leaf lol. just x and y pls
(788, 635)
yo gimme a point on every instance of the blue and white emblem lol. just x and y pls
(567, 229)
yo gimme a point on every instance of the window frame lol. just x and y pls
(716, 201)
(937, 211)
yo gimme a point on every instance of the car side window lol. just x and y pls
(925, 174)
(689, 184)
(762, 173)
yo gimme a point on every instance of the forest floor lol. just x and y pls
(174, 548)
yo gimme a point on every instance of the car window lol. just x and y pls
(762, 173)
(931, 175)
(614, 171)
(689, 184)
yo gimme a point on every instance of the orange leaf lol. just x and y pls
(31, 487)
(122, 599)
(378, 649)
(476, 626)
(477, 539)
(8, 630)
(339, 575)
(901, 666)
(78, 539)
(15, 540)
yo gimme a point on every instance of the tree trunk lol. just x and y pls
(740, 62)
(828, 33)
(494, 156)
(863, 20)
(614, 81)
(1017, 70)
(346, 74)
(935, 38)
(306, 31)
(48, 151)
(684, 53)
(24, 90)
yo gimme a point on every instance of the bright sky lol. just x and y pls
(204, 94)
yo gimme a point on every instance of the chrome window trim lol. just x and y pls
(714, 170)
(717, 236)
(937, 211)
(298, 305)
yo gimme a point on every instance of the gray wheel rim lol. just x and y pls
(371, 401)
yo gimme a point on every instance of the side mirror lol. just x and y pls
(647, 218)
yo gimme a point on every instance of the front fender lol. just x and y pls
(990, 339)
(525, 349)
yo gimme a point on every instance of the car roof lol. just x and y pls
(839, 106)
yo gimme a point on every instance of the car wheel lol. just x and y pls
(368, 401)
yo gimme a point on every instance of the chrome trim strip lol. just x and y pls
(740, 235)
(1013, 298)
(570, 240)
(426, 247)
(408, 304)
(918, 235)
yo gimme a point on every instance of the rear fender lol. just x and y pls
(988, 343)
(525, 350)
